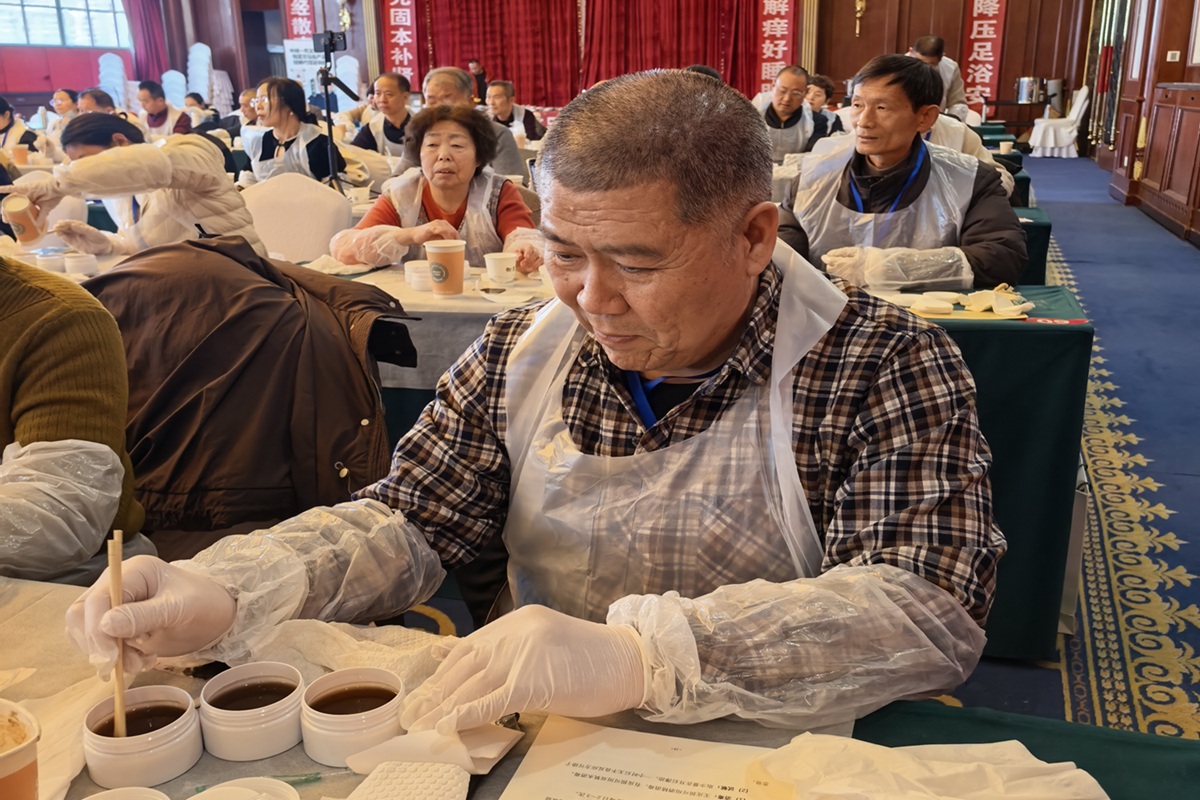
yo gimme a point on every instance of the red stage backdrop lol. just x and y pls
(981, 50)
(400, 40)
(777, 40)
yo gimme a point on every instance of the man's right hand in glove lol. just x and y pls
(166, 610)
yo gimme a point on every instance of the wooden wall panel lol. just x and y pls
(1158, 144)
(1043, 38)
(1185, 156)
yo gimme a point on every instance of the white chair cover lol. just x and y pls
(174, 85)
(220, 95)
(973, 118)
(375, 167)
(1056, 138)
(346, 69)
(296, 216)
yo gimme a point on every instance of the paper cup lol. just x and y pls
(446, 265)
(20, 153)
(18, 759)
(359, 194)
(1006, 148)
(501, 267)
(22, 215)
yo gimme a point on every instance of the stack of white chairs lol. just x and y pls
(346, 69)
(1056, 138)
(199, 71)
(112, 78)
(220, 93)
(174, 85)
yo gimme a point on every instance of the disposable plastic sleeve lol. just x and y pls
(353, 562)
(903, 269)
(805, 653)
(376, 246)
(57, 501)
(117, 171)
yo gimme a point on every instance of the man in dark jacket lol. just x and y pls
(890, 211)
(253, 383)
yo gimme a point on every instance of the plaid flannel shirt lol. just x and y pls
(885, 433)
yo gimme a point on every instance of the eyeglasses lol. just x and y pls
(793, 93)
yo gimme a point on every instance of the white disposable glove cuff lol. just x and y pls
(376, 246)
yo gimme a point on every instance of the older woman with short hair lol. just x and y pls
(454, 194)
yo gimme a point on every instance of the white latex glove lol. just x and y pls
(166, 611)
(847, 263)
(533, 659)
(83, 237)
(529, 257)
(44, 193)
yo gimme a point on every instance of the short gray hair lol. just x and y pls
(702, 137)
(456, 75)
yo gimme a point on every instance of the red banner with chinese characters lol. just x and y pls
(299, 23)
(400, 40)
(777, 40)
(982, 37)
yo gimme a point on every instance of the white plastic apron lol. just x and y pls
(933, 220)
(583, 530)
(294, 159)
(153, 134)
(478, 228)
(383, 144)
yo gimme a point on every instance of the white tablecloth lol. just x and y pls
(447, 325)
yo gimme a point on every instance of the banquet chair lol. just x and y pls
(374, 167)
(68, 208)
(533, 201)
(1056, 138)
(296, 216)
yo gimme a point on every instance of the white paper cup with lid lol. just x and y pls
(145, 759)
(340, 730)
(236, 731)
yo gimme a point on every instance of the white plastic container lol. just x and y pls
(251, 734)
(52, 262)
(80, 263)
(420, 277)
(18, 765)
(330, 739)
(151, 758)
(412, 267)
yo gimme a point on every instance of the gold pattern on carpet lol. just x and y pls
(1128, 665)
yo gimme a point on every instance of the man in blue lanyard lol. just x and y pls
(888, 210)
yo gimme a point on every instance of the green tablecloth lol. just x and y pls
(1016, 157)
(1032, 381)
(1036, 223)
(1128, 765)
(988, 128)
(1020, 195)
(98, 217)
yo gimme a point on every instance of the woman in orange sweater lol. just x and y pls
(453, 195)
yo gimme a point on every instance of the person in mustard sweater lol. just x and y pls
(65, 478)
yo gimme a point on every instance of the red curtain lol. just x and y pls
(631, 35)
(533, 43)
(149, 38)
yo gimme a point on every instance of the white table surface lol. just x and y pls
(447, 325)
(25, 169)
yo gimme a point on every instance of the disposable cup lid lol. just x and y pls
(446, 245)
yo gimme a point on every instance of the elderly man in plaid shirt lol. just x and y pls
(729, 485)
